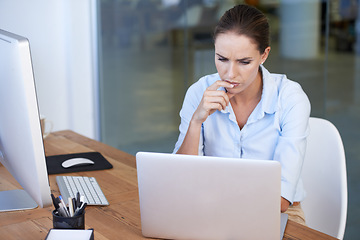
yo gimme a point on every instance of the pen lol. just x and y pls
(62, 210)
(79, 207)
(78, 200)
(79, 211)
(64, 206)
(71, 207)
(74, 204)
(55, 201)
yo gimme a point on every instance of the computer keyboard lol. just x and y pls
(86, 186)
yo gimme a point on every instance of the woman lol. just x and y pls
(244, 111)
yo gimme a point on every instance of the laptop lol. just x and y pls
(203, 197)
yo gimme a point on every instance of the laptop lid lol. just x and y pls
(202, 197)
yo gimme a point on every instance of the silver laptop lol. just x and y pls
(198, 197)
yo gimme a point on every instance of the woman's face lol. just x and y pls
(237, 60)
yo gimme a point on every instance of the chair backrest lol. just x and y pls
(324, 177)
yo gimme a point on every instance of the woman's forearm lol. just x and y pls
(190, 144)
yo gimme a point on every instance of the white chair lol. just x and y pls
(324, 177)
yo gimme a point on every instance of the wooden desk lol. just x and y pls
(120, 220)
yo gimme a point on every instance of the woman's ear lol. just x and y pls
(265, 55)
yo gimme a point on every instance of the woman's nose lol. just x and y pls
(232, 71)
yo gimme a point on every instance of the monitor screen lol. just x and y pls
(21, 142)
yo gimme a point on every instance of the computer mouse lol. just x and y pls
(76, 162)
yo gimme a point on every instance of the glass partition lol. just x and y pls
(153, 50)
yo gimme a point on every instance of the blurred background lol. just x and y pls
(151, 51)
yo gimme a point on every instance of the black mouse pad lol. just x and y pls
(54, 162)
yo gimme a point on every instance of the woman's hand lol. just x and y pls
(211, 101)
(284, 204)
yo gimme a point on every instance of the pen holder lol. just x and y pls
(77, 222)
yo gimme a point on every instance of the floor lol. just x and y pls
(143, 90)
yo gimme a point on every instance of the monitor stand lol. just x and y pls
(13, 200)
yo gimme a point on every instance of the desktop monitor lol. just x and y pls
(21, 142)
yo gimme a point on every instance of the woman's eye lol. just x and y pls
(245, 62)
(222, 59)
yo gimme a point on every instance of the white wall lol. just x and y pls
(61, 36)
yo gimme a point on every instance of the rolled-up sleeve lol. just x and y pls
(191, 102)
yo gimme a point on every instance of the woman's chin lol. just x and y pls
(234, 90)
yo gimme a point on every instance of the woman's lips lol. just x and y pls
(235, 84)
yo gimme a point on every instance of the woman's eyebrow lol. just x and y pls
(241, 59)
(245, 59)
(220, 55)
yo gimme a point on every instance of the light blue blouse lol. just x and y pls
(275, 130)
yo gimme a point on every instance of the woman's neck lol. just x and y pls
(251, 94)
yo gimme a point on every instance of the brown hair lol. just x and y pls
(248, 21)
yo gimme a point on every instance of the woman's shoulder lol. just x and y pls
(290, 89)
(285, 86)
(287, 93)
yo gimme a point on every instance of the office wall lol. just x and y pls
(61, 40)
